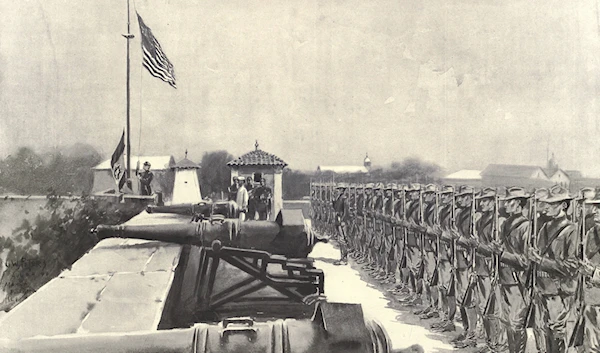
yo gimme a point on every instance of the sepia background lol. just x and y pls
(459, 83)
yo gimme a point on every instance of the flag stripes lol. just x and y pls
(155, 60)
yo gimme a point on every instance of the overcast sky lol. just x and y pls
(461, 83)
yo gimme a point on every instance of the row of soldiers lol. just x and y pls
(503, 261)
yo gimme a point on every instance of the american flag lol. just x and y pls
(155, 60)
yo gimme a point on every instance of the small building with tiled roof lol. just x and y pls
(257, 165)
(186, 187)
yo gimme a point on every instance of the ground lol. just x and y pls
(351, 284)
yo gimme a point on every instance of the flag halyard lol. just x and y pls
(155, 60)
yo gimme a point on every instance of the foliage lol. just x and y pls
(296, 184)
(66, 171)
(40, 250)
(214, 172)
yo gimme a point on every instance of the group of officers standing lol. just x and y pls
(503, 260)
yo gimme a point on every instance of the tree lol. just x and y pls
(214, 172)
(66, 170)
(296, 184)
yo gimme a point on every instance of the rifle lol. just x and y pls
(404, 230)
(392, 254)
(491, 300)
(436, 221)
(452, 287)
(421, 272)
(473, 278)
(531, 276)
(576, 339)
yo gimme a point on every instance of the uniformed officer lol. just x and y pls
(486, 229)
(342, 216)
(447, 298)
(555, 281)
(388, 233)
(369, 224)
(512, 253)
(352, 196)
(462, 232)
(590, 267)
(377, 242)
(430, 246)
(263, 195)
(399, 244)
(413, 249)
(146, 177)
(360, 220)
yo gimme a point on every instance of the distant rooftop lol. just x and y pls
(469, 174)
(511, 170)
(342, 169)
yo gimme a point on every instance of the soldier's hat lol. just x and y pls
(413, 187)
(241, 178)
(378, 186)
(146, 163)
(369, 186)
(486, 193)
(360, 186)
(593, 201)
(557, 194)
(540, 194)
(465, 190)
(341, 186)
(515, 192)
(430, 188)
(447, 189)
(587, 193)
(389, 186)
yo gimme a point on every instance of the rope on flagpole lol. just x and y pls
(141, 104)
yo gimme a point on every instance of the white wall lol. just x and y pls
(186, 188)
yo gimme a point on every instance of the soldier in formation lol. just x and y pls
(505, 260)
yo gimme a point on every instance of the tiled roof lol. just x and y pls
(186, 164)
(258, 157)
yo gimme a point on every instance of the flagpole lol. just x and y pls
(128, 36)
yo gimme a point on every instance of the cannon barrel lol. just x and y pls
(335, 328)
(230, 232)
(225, 208)
(288, 235)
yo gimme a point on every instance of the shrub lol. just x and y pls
(40, 250)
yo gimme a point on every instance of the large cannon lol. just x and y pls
(289, 235)
(334, 328)
(213, 285)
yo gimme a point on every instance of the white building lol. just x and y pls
(186, 188)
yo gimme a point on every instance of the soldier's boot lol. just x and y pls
(446, 326)
(460, 337)
(430, 315)
(470, 340)
(424, 310)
